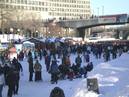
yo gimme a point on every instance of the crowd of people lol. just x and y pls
(51, 54)
(11, 74)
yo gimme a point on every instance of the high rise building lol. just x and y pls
(12, 11)
(49, 8)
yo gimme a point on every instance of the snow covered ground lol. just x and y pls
(113, 78)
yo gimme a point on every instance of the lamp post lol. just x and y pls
(59, 34)
(98, 11)
(103, 15)
(92, 13)
(46, 31)
(18, 31)
(49, 34)
(102, 10)
(11, 30)
(36, 34)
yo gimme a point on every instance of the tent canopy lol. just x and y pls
(28, 45)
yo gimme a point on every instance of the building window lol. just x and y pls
(7, 6)
(7, 1)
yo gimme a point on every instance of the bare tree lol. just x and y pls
(19, 19)
(34, 23)
(4, 16)
(54, 29)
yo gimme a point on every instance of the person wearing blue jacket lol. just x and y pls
(54, 72)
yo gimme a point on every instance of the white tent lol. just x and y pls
(28, 45)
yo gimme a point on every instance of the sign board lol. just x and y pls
(118, 18)
(92, 85)
(107, 20)
(122, 18)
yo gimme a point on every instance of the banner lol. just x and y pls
(107, 20)
(122, 18)
(118, 18)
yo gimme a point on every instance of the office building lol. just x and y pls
(20, 10)
(50, 8)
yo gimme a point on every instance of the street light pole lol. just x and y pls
(103, 14)
(93, 12)
(102, 10)
(98, 11)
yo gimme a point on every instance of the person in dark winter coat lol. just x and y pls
(29, 54)
(2, 81)
(21, 56)
(78, 61)
(54, 72)
(63, 70)
(2, 58)
(17, 69)
(57, 92)
(40, 54)
(89, 67)
(81, 72)
(63, 59)
(14, 61)
(85, 71)
(31, 69)
(11, 82)
(6, 70)
(38, 70)
(47, 61)
(87, 57)
(44, 52)
(75, 69)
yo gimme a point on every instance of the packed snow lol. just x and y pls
(113, 79)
